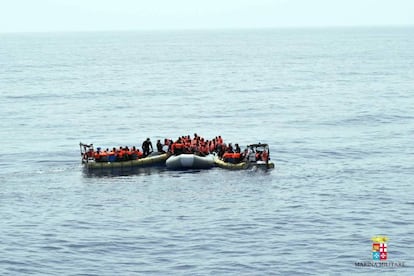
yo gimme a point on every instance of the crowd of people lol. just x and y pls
(184, 144)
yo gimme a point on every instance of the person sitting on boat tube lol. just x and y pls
(146, 145)
(229, 148)
(237, 148)
(177, 148)
(97, 154)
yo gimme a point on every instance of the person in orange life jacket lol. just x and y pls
(134, 155)
(228, 157)
(265, 156)
(139, 153)
(97, 154)
(205, 148)
(128, 153)
(112, 155)
(104, 156)
(120, 154)
(187, 147)
(258, 155)
(211, 146)
(173, 144)
(177, 148)
(232, 157)
(146, 145)
(237, 157)
(90, 153)
(193, 142)
(125, 154)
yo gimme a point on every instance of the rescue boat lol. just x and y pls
(253, 159)
(189, 161)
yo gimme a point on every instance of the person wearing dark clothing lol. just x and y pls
(230, 148)
(159, 147)
(237, 149)
(146, 145)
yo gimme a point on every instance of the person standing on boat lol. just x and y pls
(146, 145)
(160, 147)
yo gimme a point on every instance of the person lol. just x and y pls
(159, 146)
(251, 155)
(265, 156)
(237, 149)
(146, 145)
(230, 148)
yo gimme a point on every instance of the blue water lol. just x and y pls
(335, 105)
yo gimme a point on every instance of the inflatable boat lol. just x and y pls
(255, 156)
(154, 159)
(189, 161)
(90, 163)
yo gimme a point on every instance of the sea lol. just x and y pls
(335, 105)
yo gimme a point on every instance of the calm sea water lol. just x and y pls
(335, 105)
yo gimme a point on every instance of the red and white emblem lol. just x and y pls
(383, 247)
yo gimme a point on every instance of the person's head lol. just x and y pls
(148, 139)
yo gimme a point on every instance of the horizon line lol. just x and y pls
(212, 29)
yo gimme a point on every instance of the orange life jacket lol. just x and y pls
(265, 156)
(228, 155)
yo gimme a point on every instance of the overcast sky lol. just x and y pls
(88, 15)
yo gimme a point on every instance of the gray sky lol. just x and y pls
(88, 15)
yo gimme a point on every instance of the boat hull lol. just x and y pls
(243, 165)
(189, 161)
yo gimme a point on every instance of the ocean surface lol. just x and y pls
(335, 105)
